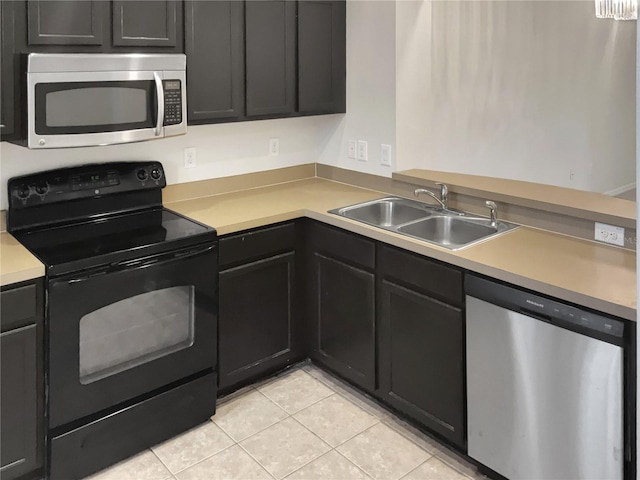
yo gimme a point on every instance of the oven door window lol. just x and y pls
(134, 331)
(94, 107)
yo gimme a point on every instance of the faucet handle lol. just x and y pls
(494, 212)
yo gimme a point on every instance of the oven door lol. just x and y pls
(79, 109)
(128, 329)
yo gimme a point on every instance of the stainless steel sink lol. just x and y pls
(446, 228)
(387, 212)
(450, 232)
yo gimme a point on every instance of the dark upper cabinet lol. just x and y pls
(214, 44)
(147, 23)
(21, 378)
(66, 22)
(341, 303)
(104, 26)
(422, 342)
(259, 327)
(321, 56)
(8, 69)
(270, 57)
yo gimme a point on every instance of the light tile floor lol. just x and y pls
(301, 425)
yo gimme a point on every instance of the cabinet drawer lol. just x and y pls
(252, 245)
(431, 277)
(347, 246)
(18, 306)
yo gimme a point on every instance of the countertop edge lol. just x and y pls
(21, 275)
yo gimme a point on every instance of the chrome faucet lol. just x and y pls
(444, 194)
(418, 191)
(494, 212)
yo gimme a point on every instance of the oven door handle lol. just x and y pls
(160, 97)
(155, 261)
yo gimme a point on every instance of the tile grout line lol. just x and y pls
(417, 467)
(352, 463)
(256, 460)
(201, 460)
(406, 434)
(387, 420)
(258, 431)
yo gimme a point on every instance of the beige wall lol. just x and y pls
(222, 150)
(371, 88)
(527, 90)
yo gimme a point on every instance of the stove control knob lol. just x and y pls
(42, 188)
(23, 191)
(156, 173)
(142, 175)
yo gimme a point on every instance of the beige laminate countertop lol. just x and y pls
(586, 273)
(17, 264)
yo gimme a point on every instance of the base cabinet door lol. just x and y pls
(421, 358)
(258, 325)
(422, 368)
(21, 381)
(341, 304)
(18, 452)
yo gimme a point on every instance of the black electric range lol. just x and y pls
(74, 224)
(131, 311)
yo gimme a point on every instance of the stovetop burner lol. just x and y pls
(94, 242)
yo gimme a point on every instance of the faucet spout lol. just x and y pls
(418, 191)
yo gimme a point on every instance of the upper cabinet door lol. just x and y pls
(321, 56)
(67, 22)
(214, 44)
(8, 58)
(146, 23)
(271, 56)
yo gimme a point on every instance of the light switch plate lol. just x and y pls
(274, 147)
(385, 155)
(362, 150)
(351, 149)
(190, 157)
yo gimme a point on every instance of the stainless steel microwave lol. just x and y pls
(79, 100)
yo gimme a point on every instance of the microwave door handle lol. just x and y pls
(160, 97)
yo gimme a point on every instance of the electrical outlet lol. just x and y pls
(385, 155)
(609, 234)
(274, 147)
(362, 150)
(190, 157)
(351, 149)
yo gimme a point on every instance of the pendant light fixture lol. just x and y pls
(617, 9)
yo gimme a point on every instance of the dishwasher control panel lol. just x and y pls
(536, 305)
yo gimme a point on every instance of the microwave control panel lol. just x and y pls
(172, 102)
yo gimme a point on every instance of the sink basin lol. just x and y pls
(450, 232)
(386, 212)
(432, 224)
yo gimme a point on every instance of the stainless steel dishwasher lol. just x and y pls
(544, 386)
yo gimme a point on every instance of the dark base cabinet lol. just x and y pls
(422, 342)
(259, 330)
(22, 383)
(341, 303)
